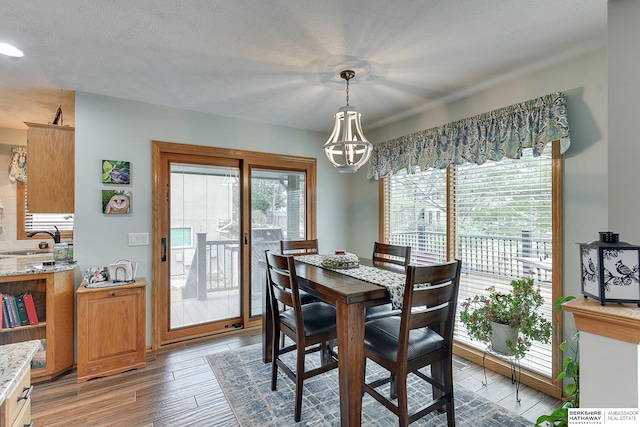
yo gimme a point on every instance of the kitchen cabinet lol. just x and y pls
(111, 329)
(16, 409)
(15, 383)
(54, 302)
(50, 168)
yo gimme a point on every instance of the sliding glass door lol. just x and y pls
(203, 245)
(277, 213)
(215, 212)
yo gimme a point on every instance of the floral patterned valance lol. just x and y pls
(489, 136)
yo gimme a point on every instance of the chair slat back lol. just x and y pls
(282, 281)
(430, 299)
(395, 254)
(299, 247)
(436, 309)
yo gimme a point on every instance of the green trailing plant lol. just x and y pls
(570, 371)
(518, 309)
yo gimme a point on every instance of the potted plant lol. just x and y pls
(517, 310)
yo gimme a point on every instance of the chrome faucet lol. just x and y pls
(55, 235)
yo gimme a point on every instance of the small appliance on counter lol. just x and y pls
(63, 252)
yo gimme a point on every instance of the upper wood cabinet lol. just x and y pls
(50, 168)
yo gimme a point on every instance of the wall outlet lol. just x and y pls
(138, 239)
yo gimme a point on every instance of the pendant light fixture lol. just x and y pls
(347, 148)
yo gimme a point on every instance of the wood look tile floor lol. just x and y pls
(178, 388)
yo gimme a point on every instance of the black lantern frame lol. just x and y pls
(610, 270)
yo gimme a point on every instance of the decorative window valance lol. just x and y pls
(490, 136)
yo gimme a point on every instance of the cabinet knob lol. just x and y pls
(113, 294)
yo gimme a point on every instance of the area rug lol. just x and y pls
(246, 382)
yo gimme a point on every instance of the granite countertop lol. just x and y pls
(15, 359)
(12, 265)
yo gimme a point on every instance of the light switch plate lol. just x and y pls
(138, 239)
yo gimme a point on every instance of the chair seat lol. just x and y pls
(380, 311)
(318, 317)
(381, 337)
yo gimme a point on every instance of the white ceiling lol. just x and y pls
(278, 61)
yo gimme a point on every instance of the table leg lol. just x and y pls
(350, 320)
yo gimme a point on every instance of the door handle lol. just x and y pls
(164, 249)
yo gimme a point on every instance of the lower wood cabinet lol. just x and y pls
(111, 329)
(52, 294)
(16, 409)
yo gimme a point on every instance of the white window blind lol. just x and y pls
(417, 214)
(46, 221)
(502, 225)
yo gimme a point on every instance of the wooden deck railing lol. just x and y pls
(494, 255)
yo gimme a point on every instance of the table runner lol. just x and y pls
(393, 282)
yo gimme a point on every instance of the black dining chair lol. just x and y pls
(421, 336)
(392, 254)
(300, 247)
(310, 326)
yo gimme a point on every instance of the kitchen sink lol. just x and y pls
(28, 252)
(46, 265)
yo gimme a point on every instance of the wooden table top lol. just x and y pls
(332, 286)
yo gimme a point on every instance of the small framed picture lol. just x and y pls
(116, 202)
(116, 172)
(97, 275)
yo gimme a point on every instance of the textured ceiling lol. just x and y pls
(277, 61)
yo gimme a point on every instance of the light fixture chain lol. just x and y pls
(347, 92)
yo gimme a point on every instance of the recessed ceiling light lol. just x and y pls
(7, 49)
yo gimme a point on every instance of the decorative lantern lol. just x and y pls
(610, 271)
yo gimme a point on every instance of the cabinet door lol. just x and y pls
(111, 331)
(51, 168)
(17, 405)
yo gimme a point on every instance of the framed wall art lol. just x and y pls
(116, 202)
(116, 172)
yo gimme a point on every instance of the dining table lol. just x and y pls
(351, 296)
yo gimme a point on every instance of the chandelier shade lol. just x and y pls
(347, 148)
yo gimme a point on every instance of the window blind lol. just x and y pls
(501, 219)
(417, 214)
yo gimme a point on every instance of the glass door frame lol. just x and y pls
(267, 238)
(160, 193)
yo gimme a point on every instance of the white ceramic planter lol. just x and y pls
(502, 333)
